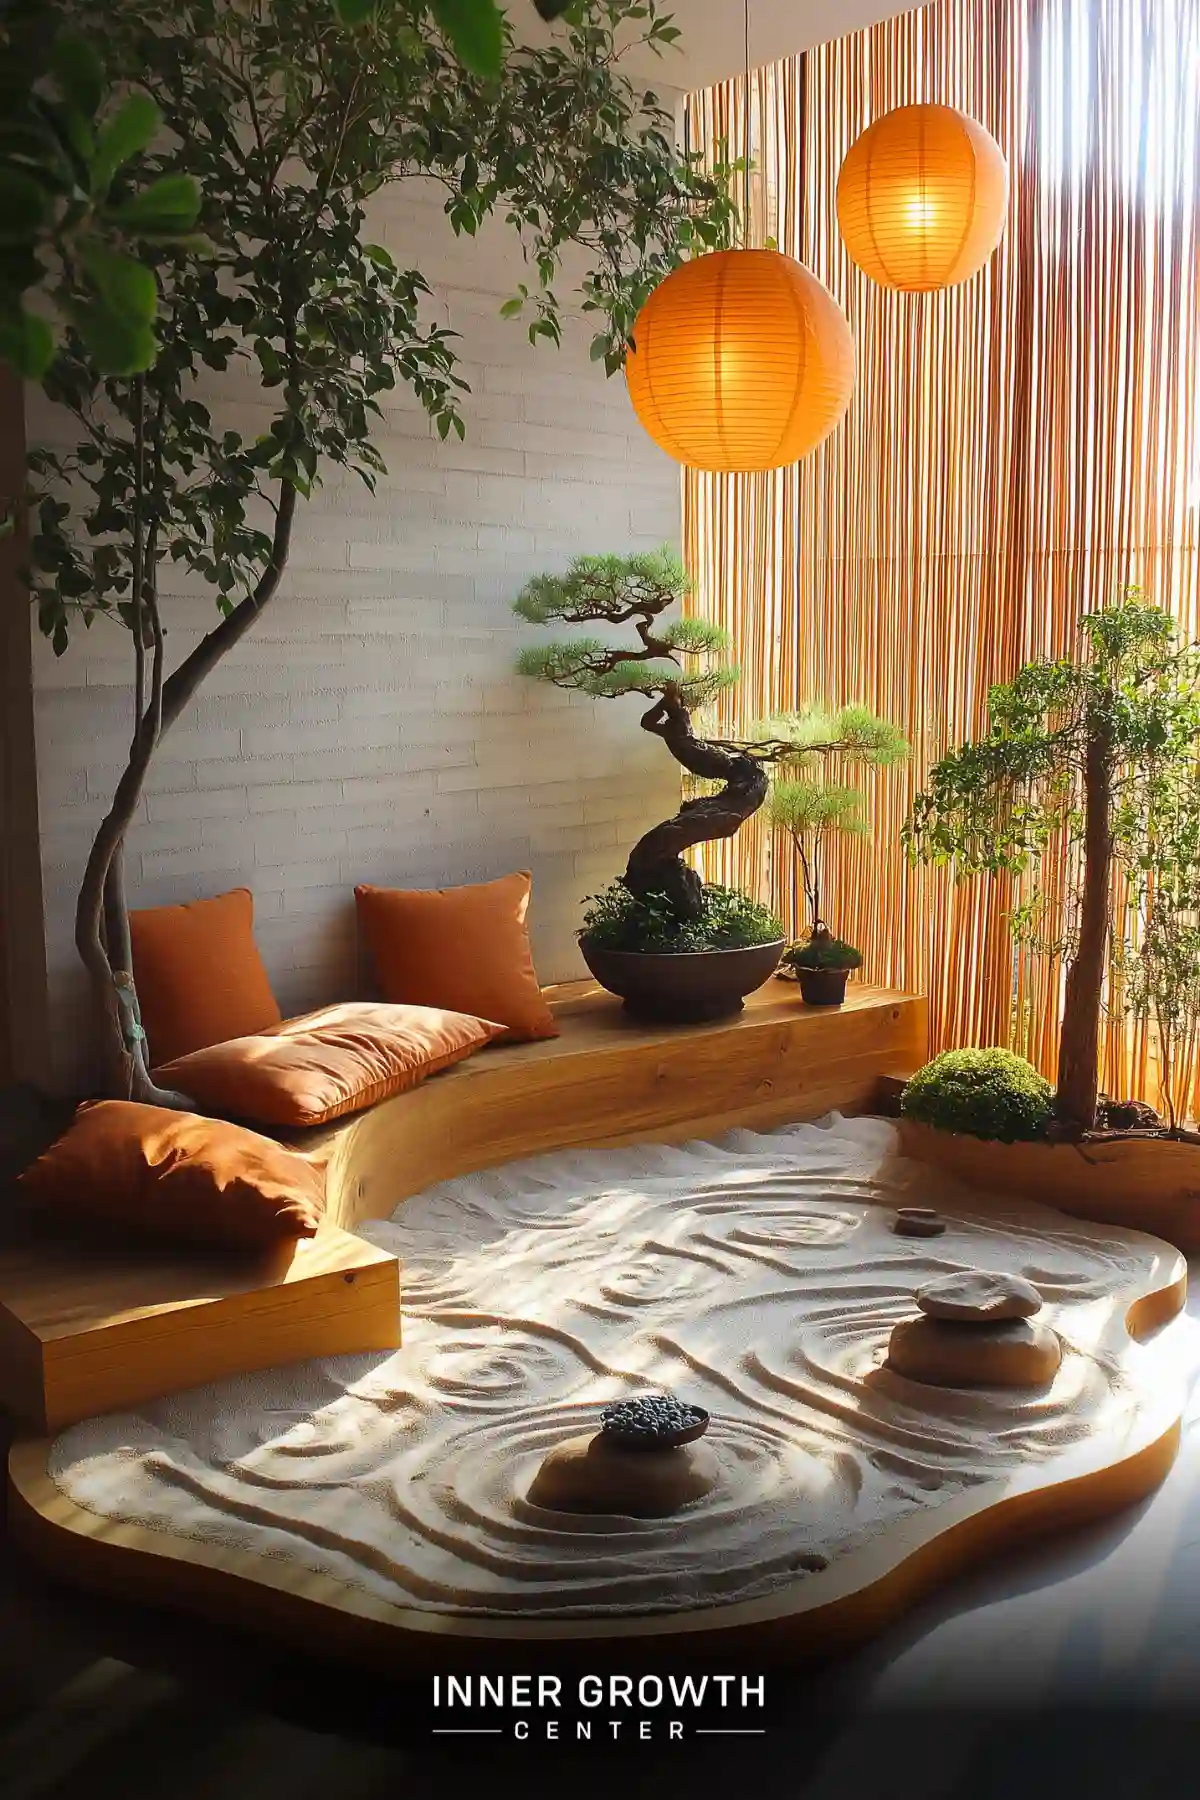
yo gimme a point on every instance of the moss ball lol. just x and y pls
(985, 1093)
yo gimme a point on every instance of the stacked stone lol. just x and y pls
(975, 1330)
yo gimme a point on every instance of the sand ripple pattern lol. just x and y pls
(758, 1277)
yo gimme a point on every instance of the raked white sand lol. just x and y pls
(758, 1277)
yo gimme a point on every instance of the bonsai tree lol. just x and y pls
(679, 665)
(807, 812)
(288, 121)
(1100, 752)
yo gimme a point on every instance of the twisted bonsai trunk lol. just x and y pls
(1079, 1044)
(656, 864)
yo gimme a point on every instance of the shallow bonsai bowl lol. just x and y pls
(684, 989)
(672, 1440)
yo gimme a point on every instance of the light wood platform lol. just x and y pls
(87, 1329)
(609, 1079)
(807, 1621)
(1148, 1184)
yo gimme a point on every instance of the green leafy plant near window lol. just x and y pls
(288, 122)
(1100, 753)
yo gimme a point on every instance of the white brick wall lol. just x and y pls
(372, 728)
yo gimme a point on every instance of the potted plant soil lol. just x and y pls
(673, 946)
(1097, 756)
(822, 966)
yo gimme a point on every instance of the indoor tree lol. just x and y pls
(289, 122)
(1095, 752)
(680, 666)
(63, 138)
(74, 226)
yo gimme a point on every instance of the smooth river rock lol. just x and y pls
(946, 1353)
(978, 1295)
(591, 1475)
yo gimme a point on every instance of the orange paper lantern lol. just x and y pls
(741, 360)
(922, 198)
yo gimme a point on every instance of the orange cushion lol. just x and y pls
(328, 1063)
(464, 947)
(176, 1177)
(199, 976)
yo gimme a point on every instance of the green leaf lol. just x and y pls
(172, 203)
(474, 31)
(126, 286)
(511, 308)
(131, 129)
(26, 342)
(24, 206)
(119, 346)
(354, 12)
(79, 72)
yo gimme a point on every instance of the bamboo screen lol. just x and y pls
(1017, 450)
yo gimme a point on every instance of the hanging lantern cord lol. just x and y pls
(746, 156)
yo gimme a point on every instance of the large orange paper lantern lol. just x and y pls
(922, 198)
(741, 360)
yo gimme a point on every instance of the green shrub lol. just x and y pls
(986, 1093)
(823, 953)
(619, 920)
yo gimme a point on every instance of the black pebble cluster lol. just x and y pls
(651, 1419)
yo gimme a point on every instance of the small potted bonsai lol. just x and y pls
(822, 966)
(807, 813)
(672, 945)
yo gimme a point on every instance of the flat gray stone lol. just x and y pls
(978, 1294)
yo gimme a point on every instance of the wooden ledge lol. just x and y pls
(88, 1327)
(610, 1079)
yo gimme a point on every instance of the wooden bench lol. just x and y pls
(610, 1079)
(87, 1328)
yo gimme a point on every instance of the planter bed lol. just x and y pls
(1136, 1179)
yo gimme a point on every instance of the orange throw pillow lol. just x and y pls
(200, 978)
(327, 1063)
(465, 947)
(175, 1177)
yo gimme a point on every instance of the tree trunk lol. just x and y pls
(1079, 1045)
(101, 914)
(656, 864)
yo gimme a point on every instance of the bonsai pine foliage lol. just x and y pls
(807, 811)
(679, 665)
(1105, 750)
(286, 119)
